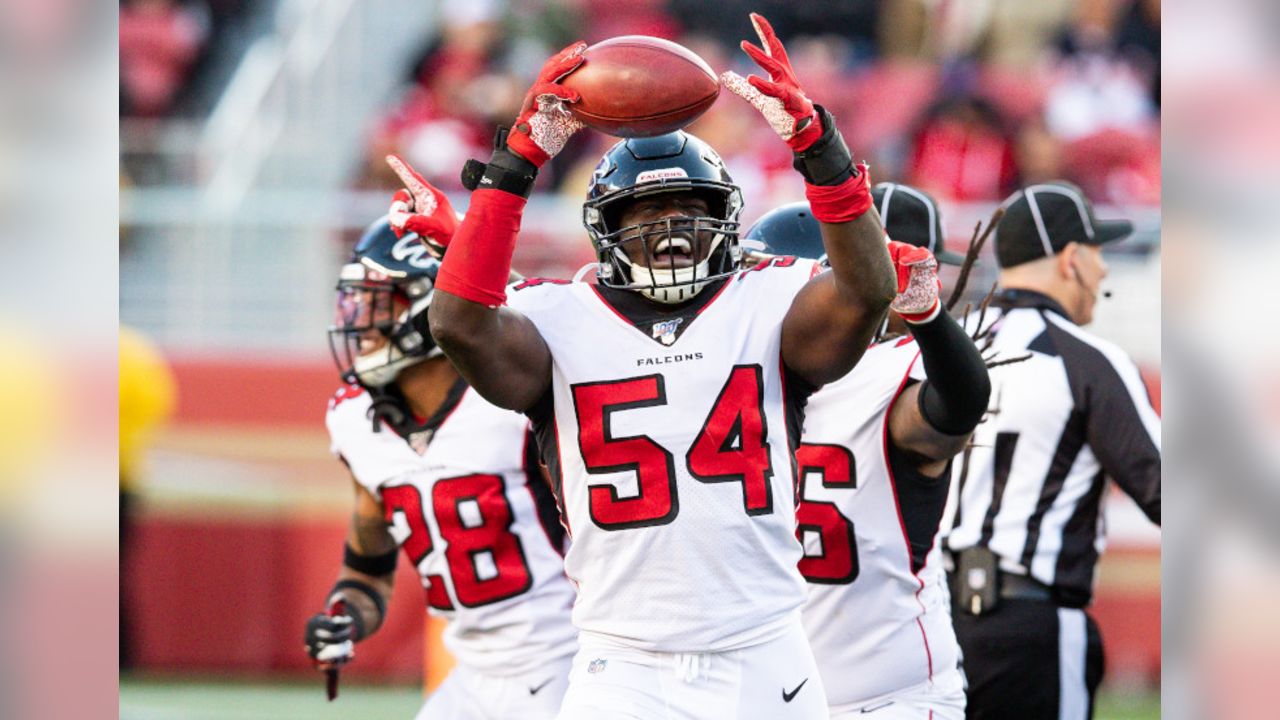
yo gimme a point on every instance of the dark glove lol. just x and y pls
(330, 639)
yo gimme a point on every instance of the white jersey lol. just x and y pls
(465, 503)
(879, 613)
(671, 450)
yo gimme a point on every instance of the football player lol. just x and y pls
(874, 463)
(667, 397)
(454, 482)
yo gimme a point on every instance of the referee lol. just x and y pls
(1025, 512)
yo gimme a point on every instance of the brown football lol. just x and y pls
(640, 86)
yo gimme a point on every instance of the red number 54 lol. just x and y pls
(732, 446)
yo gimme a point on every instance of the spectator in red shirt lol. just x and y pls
(963, 152)
(159, 42)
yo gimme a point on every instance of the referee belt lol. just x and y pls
(1012, 587)
(1021, 587)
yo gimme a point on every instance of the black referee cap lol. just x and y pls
(1039, 220)
(910, 215)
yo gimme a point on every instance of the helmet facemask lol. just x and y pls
(372, 338)
(671, 259)
(667, 256)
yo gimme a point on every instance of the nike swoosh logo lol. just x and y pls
(874, 708)
(787, 696)
(534, 690)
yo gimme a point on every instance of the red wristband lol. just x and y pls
(478, 262)
(841, 203)
(921, 318)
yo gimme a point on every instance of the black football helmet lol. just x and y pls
(789, 229)
(386, 282)
(911, 215)
(676, 162)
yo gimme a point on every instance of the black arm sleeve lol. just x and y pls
(955, 396)
(828, 161)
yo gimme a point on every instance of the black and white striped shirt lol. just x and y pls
(1032, 484)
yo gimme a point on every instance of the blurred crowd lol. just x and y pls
(968, 100)
(166, 46)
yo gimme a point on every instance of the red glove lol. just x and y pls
(780, 98)
(421, 209)
(545, 124)
(918, 285)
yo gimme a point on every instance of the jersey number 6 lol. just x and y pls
(732, 446)
(838, 563)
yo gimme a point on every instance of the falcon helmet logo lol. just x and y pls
(670, 173)
(665, 331)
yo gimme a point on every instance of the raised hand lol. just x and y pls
(779, 99)
(544, 124)
(918, 284)
(421, 208)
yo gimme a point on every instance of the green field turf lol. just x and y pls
(202, 700)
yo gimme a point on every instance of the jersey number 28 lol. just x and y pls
(456, 504)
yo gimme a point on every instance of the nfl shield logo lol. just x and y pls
(665, 331)
(420, 440)
(596, 666)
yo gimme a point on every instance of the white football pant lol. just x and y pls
(774, 680)
(940, 699)
(469, 695)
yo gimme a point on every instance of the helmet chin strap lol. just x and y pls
(373, 372)
(381, 369)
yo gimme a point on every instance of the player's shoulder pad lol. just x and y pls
(535, 293)
(892, 343)
(534, 282)
(345, 393)
(902, 346)
(347, 406)
(780, 270)
(347, 418)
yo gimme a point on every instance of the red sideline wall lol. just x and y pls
(217, 596)
(213, 391)
(218, 592)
